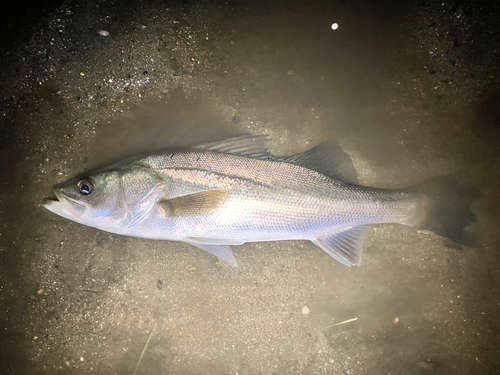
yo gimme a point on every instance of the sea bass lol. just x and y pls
(231, 192)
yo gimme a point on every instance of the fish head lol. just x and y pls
(116, 199)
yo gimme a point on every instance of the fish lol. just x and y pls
(222, 194)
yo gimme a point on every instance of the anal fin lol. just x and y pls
(345, 244)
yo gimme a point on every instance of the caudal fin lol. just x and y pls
(447, 209)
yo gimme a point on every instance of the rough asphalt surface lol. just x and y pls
(410, 92)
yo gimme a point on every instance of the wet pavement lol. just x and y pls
(410, 92)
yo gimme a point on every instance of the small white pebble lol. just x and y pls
(81, 359)
(305, 310)
(103, 32)
(396, 320)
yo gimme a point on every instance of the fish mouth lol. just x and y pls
(64, 206)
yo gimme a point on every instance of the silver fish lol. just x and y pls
(231, 192)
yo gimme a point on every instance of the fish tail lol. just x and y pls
(445, 208)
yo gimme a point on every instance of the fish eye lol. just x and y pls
(85, 187)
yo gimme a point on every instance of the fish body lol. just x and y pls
(232, 192)
(266, 200)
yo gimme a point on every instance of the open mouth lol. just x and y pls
(64, 206)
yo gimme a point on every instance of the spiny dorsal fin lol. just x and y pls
(345, 245)
(250, 146)
(328, 159)
(197, 204)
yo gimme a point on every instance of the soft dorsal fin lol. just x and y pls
(250, 146)
(345, 245)
(197, 204)
(328, 159)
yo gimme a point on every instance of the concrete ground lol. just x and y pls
(410, 91)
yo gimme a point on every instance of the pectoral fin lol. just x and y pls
(345, 245)
(197, 204)
(224, 252)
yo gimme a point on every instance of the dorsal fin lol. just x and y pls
(250, 146)
(328, 159)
